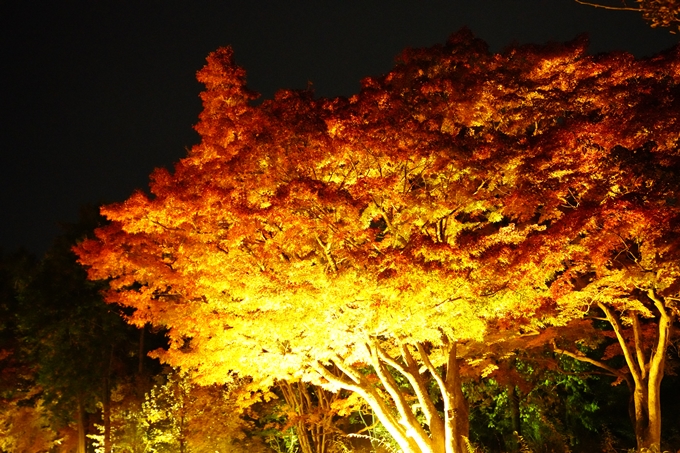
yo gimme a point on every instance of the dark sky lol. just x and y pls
(95, 94)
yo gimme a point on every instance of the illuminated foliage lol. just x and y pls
(24, 421)
(373, 244)
(178, 416)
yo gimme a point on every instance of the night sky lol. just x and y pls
(95, 94)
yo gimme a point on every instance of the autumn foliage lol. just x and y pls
(453, 206)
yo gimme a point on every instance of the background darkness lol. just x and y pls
(95, 94)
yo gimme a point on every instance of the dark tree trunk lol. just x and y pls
(516, 421)
(106, 415)
(81, 425)
(142, 352)
(106, 404)
(513, 399)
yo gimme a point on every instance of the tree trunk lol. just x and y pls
(141, 353)
(106, 405)
(313, 436)
(394, 406)
(646, 373)
(513, 399)
(647, 413)
(106, 415)
(516, 421)
(646, 366)
(81, 425)
(641, 407)
(460, 417)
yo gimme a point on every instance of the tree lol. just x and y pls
(615, 231)
(371, 244)
(25, 422)
(622, 222)
(77, 343)
(659, 13)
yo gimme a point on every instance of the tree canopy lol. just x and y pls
(463, 200)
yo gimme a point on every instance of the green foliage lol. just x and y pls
(65, 326)
(284, 441)
(556, 410)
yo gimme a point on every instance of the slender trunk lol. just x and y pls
(297, 398)
(106, 415)
(182, 445)
(646, 373)
(395, 407)
(513, 399)
(81, 425)
(141, 353)
(516, 421)
(657, 365)
(106, 405)
(461, 417)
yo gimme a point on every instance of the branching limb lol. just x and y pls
(414, 430)
(582, 358)
(410, 372)
(348, 370)
(642, 362)
(614, 8)
(657, 360)
(618, 330)
(389, 383)
(364, 389)
(337, 381)
(327, 252)
(447, 397)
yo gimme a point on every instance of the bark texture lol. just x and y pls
(447, 430)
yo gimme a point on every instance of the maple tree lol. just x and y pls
(373, 244)
(619, 218)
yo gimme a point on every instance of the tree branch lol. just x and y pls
(449, 405)
(327, 252)
(333, 379)
(364, 389)
(657, 360)
(409, 420)
(413, 375)
(632, 366)
(410, 372)
(642, 362)
(583, 358)
(613, 8)
(389, 383)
